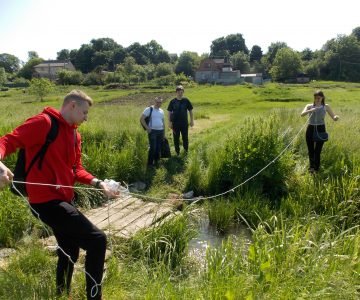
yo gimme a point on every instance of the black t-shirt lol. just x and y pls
(179, 109)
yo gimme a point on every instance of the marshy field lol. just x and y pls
(282, 234)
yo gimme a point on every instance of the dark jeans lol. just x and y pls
(184, 131)
(74, 231)
(314, 148)
(155, 141)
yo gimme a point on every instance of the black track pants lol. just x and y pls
(74, 231)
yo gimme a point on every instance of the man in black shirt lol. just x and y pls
(178, 120)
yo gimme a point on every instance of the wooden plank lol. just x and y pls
(131, 204)
(118, 202)
(127, 215)
(119, 215)
(134, 215)
(145, 221)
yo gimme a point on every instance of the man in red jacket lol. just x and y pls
(61, 166)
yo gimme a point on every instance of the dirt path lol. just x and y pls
(141, 99)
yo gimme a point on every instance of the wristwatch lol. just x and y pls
(97, 184)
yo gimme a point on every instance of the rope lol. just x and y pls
(126, 191)
(95, 288)
(239, 185)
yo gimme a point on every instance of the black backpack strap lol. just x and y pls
(151, 110)
(51, 136)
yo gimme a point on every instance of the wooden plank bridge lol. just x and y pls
(126, 215)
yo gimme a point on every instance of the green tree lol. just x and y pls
(226, 46)
(139, 53)
(164, 69)
(150, 71)
(312, 68)
(119, 55)
(240, 61)
(129, 65)
(356, 33)
(103, 60)
(272, 51)
(218, 47)
(152, 49)
(255, 53)
(3, 77)
(236, 43)
(188, 63)
(28, 69)
(162, 56)
(63, 54)
(32, 55)
(104, 44)
(41, 87)
(287, 64)
(341, 59)
(307, 54)
(9, 62)
(84, 57)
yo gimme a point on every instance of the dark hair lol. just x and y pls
(321, 94)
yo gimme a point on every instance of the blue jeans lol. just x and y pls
(155, 141)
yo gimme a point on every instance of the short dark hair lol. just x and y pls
(179, 88)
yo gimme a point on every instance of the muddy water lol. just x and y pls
(209, 237)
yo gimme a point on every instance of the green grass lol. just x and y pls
(305, 236)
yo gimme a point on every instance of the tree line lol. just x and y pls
(104, 61)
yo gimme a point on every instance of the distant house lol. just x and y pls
(256, 78)
(302, 78)
(212, 70)
(49, 68)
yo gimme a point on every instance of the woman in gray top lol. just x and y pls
(317, 111)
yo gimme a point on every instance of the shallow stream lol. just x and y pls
(209, 237)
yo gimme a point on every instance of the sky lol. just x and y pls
(48, 26)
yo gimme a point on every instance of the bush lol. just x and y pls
(114, 77)
(247, 151)
(66, 77)
(93, 78)
(41, 87)
(15, 218)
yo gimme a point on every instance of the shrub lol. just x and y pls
(93, 78)
(41, 87)
(245, 153)
(66, 77)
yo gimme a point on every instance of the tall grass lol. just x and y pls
(164, 244)
(15, 219)
(247, 150)
(306, 246)
(29, 275)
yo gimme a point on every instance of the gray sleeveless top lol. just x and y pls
(318, 116)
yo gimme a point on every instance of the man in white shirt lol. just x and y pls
(155, 128)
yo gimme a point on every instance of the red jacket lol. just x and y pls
(61, 158)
